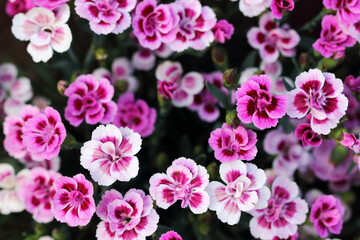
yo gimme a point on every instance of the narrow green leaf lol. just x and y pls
(249, 60)
(287, 85)
(219, 95)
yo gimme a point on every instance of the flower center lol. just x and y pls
(235, 189)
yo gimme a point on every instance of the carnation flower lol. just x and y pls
(244, 191)
(36, 190)
(320, 94)
(14, 7)
(90, 99)
(143, 59)
(184, 180)
(251, 8)
(347, 11)
(326, 214)
(307, 136)
(194, 27)
(126, 217)
(109, 155)
(284, 212)
(170, 235)
(223, 30)
(73, 202)
(43, 134)
(233, 144)
(333, 40)
(154, 24)
(256, 105)
(106, 16)
(50, 4)
(135, 115)
(46, 30)
(279, 6)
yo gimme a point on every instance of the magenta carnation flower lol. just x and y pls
(256, 105)
(244, 191)
(90, 99)
(170, 235)
(73, 202)
(233, 144)
(184, 180)
(307, 136)
(195, 24)
(223, 30)
(348, 11)
(106, 16)
(279, 6)
(135, 115)
(50, 4)
(14, 7)
(333, 40)
(129, 217)
(43, 134)
(284, 212)
(326, 214)
(321, 95)
(36, 191)
(154, 24)
(109, 155)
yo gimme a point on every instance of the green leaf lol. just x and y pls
(285, 124)
(219, 95)
(69, 142)
(287, 85)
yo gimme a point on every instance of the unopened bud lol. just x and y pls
(121, 86)
(100, 54)
(219, 56)
(232, 119)
(61, 86)
(230, 77)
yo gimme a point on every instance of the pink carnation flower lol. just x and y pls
(129, 217)
(50, 4)
(181, 90)
(353, 83)
(233, 144)
(14, 7)
(256, 105)
(333, 40)
(73, 201)
(223, 30)
(284, 212)
(184, 180)
(244, 191)
(135, 115)
(326, 214)
(106, 16)
(348, 11)
(321, 95)
(271, 40)
(90, 99)
(279, 6)
(154, 24)
(109, 155)
(36, 191)
(170, 235)
(307, 136)
(143, 59)
(194, 27)
(46, 30)
(43, 134)
(251, 8)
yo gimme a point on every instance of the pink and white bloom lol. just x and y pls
(49, 164)
(184, 180)
(284, 212)
(106, 16)
(251, 8)
(109, 155)
(348, 11)
(256, 105)
(13, 130)
(73, 201)
(143, 59)
(327, 215)
(170, 235)
(136, 115)
(121, 74)
(46, 30)
(233, 144)
(244, 190)
(279, 6)
(181, 90)
(333, 40)
(290, 154)
(194, 27)
(223, 30)
(164, 51)
(307, 136)
(154, 24)
(14, 7)
(43, 134)
(50, 4)
(128, 217)
(271, 40)
(90, 100)
(36, 191)
(321, 95)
